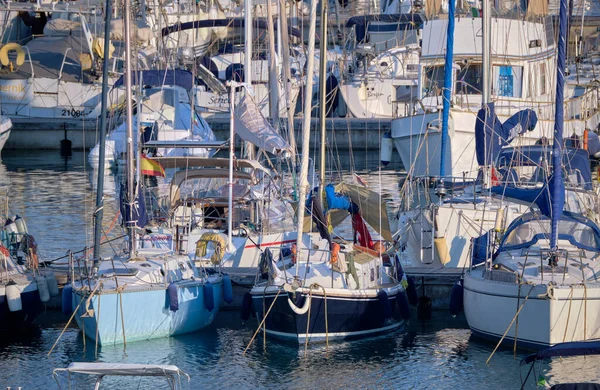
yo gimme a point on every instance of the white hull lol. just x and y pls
(568, 313)
(418, 141)
(5, 128)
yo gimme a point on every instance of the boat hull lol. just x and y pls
(144, 314)
(550, 315)
(347, 317)
(17, 320)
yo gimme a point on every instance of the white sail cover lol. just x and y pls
(253, 127)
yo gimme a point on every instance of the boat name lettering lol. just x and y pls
(157, 238)
(12, 88)
(374, 94)
(218, 100)
(74, 113)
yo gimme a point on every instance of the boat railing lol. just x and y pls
(64, 61)
(30, 61)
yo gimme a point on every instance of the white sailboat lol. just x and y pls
(148, 293)
(540, 287)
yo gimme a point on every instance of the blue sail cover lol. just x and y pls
(447, 92)
(138, 214)
(158, 78)
(491, 134)
(556, 181)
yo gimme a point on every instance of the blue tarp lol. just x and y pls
(336, 200)
(575, 348)
(158, 78)
(491, 135)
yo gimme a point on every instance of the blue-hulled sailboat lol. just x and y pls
(149, 293)
(540, 287)
(335, 289)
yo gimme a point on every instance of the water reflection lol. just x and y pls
(56, 196)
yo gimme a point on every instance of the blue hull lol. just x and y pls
(146, 313)
(15, 320)
(347, 318)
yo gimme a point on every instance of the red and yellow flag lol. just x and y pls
(150, 167)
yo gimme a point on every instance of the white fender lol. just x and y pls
(42, 285)
(387, 147)
(52, 284)
(21, 225)
(13, 297)
(300, 310)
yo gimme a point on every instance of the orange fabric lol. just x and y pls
(335, 252)
(294, 253)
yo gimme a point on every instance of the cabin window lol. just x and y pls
(508, 80)
(469, 80)
(542, 79)
(433, 82)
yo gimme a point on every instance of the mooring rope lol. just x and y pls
(71, 318)
(263, 320)
(509, 325)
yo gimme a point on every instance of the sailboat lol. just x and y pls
(540, 286)
(334, 290)
(148, 293)
(164, 113)
(440, 215)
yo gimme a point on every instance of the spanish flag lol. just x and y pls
(150, 167)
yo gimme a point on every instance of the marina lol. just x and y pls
(439, 353)
(333, 194)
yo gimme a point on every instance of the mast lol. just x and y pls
(232, 87)
(287, 77)
(447, 95)
(273, 84)
(556, 182)
(306, 125)
(248, 24)
(322, 94)
(101, 158)
(129, 118)
(486, 60)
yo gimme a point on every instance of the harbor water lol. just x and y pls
(56, 197)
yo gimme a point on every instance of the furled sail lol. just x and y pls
(491, 134)
(253, 127)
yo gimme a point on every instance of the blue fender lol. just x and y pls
(227, 289)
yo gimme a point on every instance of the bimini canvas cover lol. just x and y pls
(158, 78)
(124, 369)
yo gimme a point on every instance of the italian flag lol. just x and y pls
(150, 167)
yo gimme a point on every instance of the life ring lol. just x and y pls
(219, 244)
(5, 61)
(300, 310)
